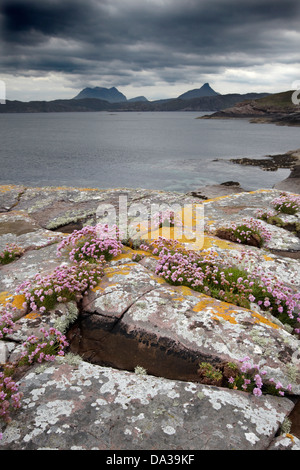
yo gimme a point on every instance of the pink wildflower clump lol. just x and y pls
(287, 203)
(161, 245)
(204, 274)
(52, 344)
(269, 292)
(249, 232)
(10, 253)
(92, 243)
(226, 281)
(64, 284)
(251, 379)
(265, 214)
(10, 397)
(6, 320)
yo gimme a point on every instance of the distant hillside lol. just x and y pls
(275, 108)
(206, 103)
(112, 95)
(138, 98)
(205, 90)
(55, 106)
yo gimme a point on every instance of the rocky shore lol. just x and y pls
(274, 109)
(133, 376)
(290, 159)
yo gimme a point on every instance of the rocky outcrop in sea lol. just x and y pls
(185, 337)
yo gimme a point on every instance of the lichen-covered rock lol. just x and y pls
(169, 330)
(134, 320)
(9, 196)
(88, 407)
(53, 208)
(19, 228)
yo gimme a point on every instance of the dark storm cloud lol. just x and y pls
(120, 37)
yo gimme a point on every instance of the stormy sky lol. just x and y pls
(157, 48)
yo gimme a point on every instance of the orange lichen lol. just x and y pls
(224, 316)
(88, 189)
(124, 269)
(158, 279)
(185, 291)
(16, 300)
(122, 256)
(33, 315)
(216, 198)
(96, 288)
(210, 242)
(268, 258)
(7, 187)
(205, 301)
(261, 319)
(220, 310)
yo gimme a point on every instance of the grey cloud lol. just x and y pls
(117, 37)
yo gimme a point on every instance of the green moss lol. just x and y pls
(210, 372)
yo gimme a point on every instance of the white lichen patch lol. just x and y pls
(49, 414)
(168, 430)
(265, 418)
(251, 437)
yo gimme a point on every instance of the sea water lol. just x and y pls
(171, 151)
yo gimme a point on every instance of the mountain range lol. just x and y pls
(113, 95)
(111, 99)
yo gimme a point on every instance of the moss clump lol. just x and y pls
(209, 374)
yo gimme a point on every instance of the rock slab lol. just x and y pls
(88, 407)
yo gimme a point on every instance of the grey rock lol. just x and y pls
(9, 196)
(88, 407)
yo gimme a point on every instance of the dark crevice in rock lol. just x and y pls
(294, 418)
(69, 228)
(125, 350)
(286, 253)
(17, 200)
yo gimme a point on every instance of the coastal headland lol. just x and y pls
(276, 109)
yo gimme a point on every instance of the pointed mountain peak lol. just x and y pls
(205, 90)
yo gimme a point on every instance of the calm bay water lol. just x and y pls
(167, 150)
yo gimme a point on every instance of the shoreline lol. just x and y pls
(290, 159)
